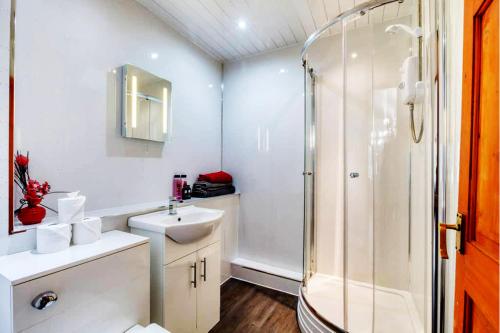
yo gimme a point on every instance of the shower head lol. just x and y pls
(395, 28)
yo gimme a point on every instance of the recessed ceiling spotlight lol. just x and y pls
(242, 24)
(154, 55)
(210, 85)
(354, 55)
(282, 70)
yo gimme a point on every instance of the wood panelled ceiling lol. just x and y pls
(214, 25)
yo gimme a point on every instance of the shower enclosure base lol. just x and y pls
(322, 303)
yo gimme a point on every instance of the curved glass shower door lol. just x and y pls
(323, 254)
(364, 242)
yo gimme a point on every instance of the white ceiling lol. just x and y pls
(271, 24)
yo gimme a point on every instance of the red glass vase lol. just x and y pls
(31, 215)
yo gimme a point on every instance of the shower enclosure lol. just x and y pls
(367, 244)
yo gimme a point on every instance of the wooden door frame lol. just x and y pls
(469, 139)
(10, 159)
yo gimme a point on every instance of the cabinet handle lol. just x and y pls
(204, 274)
(193, 282)
(44, 300)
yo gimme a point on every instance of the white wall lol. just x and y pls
(66, 112)
(263, 148)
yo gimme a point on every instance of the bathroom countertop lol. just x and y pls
(134, 209)
(28, 265)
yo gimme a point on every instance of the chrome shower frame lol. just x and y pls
(361, 10)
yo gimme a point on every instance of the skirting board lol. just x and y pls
(265, 279)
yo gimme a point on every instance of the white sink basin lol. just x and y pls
(188, 225)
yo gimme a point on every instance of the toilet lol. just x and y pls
(152, 328)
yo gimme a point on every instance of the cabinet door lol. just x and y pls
(179, 312)
(208, 307)
(120, 279)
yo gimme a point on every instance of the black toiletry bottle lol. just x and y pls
(186, 192)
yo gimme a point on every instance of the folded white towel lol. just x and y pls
(87, 231)
(71, 209)
(53, 237)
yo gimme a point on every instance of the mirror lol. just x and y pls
(145, 105)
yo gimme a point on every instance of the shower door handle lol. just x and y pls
(443, 251)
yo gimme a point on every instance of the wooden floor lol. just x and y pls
(248, 308)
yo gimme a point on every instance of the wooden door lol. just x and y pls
(208, 307)
(476, 295)
(179, 299)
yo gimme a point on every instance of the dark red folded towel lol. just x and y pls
(216, 177)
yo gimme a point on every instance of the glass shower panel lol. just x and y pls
(358, 181)
(309, 173)
(391, 165)
(365, 239)
(394, 309)
(323, 239)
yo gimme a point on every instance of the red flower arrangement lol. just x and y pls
(33, 192)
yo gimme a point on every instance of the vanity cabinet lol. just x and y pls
(192, 291)
(98, 287)
(185, 282)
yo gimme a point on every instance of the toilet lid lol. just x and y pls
(152, 328)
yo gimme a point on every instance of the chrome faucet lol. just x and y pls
(172, 206)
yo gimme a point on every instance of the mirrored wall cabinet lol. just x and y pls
(145, 105)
